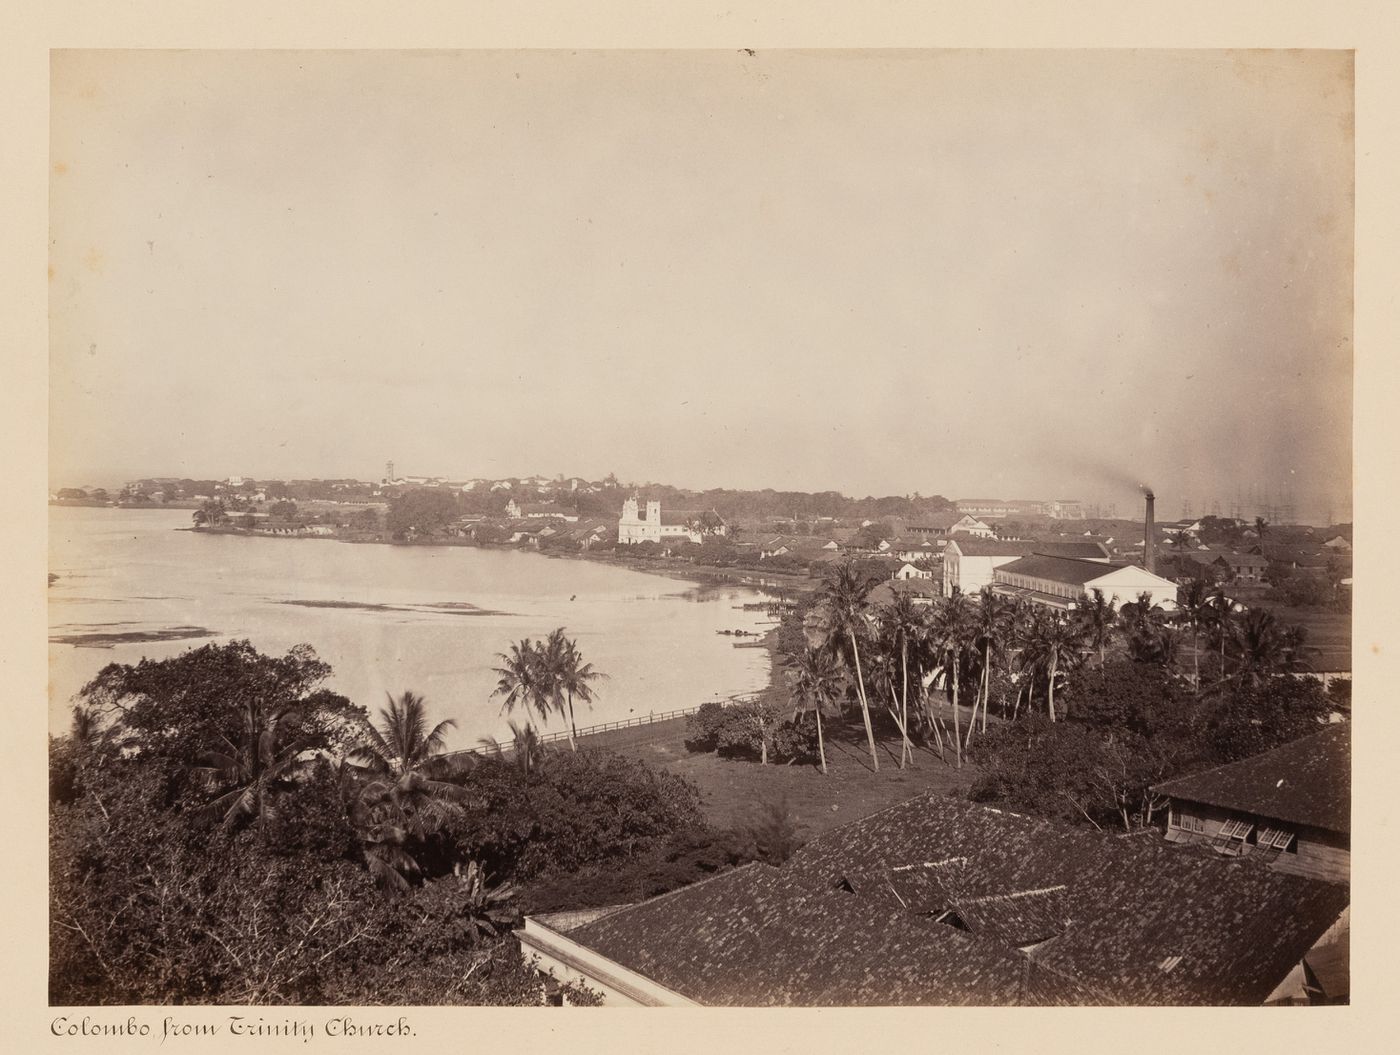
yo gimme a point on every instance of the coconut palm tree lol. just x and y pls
(1055, 646)
(261, 759)
(1194, 603)
(523, 680)
(990, 626)
(1265, 647)
(901, 626)
(951, 630)
(1221, 620)
(1097, 615)
(817, 683)
(570, 675)
(842, 599)
(527, 749)
(403, 743)
(404, 797)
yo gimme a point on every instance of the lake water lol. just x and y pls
(430, 619)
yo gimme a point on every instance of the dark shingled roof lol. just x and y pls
(1307, 782)
(1128, 905)
(1079, 550)
(991, 547)
(1058, 569)
(942, 901)
(761, 936)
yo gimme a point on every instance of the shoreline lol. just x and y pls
(765, 585)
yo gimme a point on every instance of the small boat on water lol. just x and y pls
(749, 644)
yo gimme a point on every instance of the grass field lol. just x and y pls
(1329, 635)
(731, 789)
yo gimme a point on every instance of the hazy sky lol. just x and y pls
(1006, 274)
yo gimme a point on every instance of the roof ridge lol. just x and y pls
(985, 898)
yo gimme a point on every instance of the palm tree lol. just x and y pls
(843, 600)
(1056, 641)
(258, 761)
(1150, 639)
(404, 799)
(528, 750)
(1265, 647)
(902, 624)
(951, 630)
(403, 745)
(1221, 620)
(990, 625)
(570, 674)
(1096, 614)
(1195, 608)
(523, 681)
(86, 726)
(817, 682)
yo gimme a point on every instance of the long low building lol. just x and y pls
(1061, 582)
(941, 901)
(969, 563)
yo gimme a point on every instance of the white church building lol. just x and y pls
(634, 526)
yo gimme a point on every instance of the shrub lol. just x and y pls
(585, 808)
(770, 833)
(702, 728)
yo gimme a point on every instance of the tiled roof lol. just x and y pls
(762, 936)
(1128, 905)
(933, 900)
(1235, 560)
(1307, 782)
(1057, 569)
(991, 547)
(1077, 549)
(885, 592)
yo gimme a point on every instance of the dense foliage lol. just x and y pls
(224, 829)
(752, 729)
(1129, 726)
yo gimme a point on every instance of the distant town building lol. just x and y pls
(911, 571)
(1060, 508)
(941, 525)
(634, 526)
(1061, 582)
(920, 592)
(1242, 569)
(539, 511)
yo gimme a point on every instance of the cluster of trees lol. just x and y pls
(756, 728)
(1129, 725)
(887, 663)
(79, 494)
(226, 829)
(422, 511)
(546, 677)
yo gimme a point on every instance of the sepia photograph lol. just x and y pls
(710, 527)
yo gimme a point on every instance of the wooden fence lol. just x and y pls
(625, 723)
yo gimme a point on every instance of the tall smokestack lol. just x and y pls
(1149, 538)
